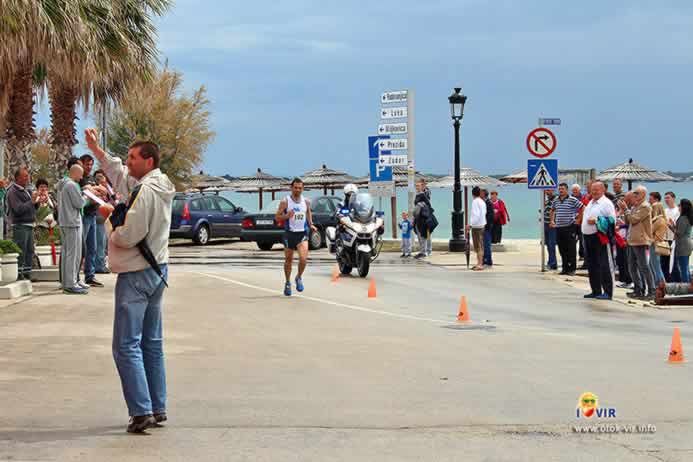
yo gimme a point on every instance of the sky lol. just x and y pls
(295, 84)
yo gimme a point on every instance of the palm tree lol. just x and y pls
(115, 47)
(29, 30)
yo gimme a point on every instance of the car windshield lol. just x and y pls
(362, 206)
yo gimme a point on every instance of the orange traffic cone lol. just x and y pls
(676, 352)
(335, 274)
(463, 315)
(371, 289)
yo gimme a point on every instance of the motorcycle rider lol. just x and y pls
(343, 210)
(350, 191)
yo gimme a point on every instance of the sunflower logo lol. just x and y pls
(588, 404)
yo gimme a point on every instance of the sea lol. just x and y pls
(523, 205)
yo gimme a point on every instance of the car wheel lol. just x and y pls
(202, 235)
(316, 240)
(265, 245)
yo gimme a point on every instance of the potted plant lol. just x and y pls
(10, 260)
(45, 239)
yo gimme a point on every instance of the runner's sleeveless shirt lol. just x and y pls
(297, 224)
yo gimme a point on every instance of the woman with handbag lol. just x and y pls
(659, 245)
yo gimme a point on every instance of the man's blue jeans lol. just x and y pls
(138, 340)
(101, 244)
(89, 247)
(550, 237)
(488, 258)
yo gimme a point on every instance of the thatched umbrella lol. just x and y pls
(517, 177)
(259, 183)
(204, 182)
(326, 178)
(631, 171)
(468, 178)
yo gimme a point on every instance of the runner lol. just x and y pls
(295, 212)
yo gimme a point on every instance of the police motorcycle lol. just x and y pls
(358, 238)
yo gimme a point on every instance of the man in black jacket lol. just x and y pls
(22, 212)
(488, 235)
(89, 226)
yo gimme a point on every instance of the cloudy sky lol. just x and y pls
(297, 83)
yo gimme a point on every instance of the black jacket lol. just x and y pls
(490, 214)
(20, 207)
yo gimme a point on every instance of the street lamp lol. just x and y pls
(458, 243)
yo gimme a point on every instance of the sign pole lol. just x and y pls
(410, 151)
(541, 222)
(393, 206)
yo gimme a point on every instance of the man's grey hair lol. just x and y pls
(641, 189)
(575, 186)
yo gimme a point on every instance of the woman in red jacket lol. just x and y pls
(501, 217)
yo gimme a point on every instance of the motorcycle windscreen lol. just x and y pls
(363, 208)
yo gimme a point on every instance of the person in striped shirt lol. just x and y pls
(565, 211)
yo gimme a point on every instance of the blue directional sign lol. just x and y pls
(542, 173)
(378, 172)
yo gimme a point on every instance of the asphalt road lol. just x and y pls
(333, 375)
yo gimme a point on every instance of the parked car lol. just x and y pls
(263, 228)
(201, 217)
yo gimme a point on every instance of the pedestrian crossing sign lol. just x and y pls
(542, 173)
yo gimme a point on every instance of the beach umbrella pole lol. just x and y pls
(260, 193)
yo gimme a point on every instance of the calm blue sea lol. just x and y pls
(522, 204)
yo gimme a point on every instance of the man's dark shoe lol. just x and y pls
(94, 283)
(140, 423)
(634, 295)
(590, 296)
(603, 297)
(647, 298)
(104, 271)
(160, 417)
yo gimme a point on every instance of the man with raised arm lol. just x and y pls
(138, 329)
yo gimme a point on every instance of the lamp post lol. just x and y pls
(458, 242)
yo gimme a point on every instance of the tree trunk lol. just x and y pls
(20, 132)
(63, 100)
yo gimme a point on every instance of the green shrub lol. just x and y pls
(42, 236)
(7, 246)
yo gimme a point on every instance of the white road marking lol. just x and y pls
(329, 302)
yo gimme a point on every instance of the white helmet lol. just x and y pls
(350, 189)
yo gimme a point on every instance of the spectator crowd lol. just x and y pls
(641, 239)
(68, 211)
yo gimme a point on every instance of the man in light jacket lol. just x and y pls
(70, 205)
(138, 331)
(639, 218)
(477, 223)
